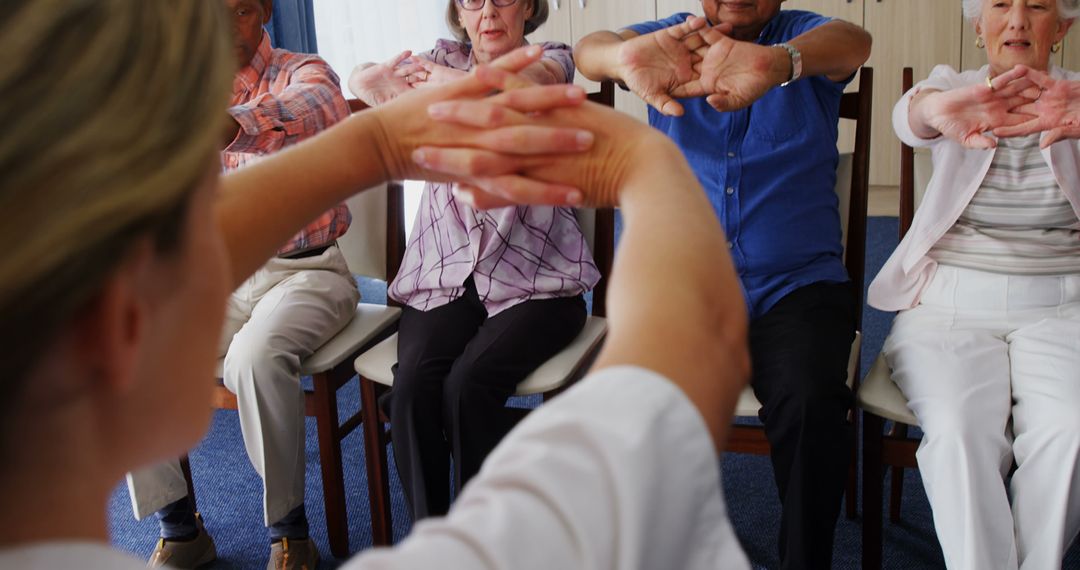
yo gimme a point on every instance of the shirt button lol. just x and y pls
(730, 191)
(730, 245)
(731, 155)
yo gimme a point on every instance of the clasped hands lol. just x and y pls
(505, 141)
(694, 59)
(1019, 102)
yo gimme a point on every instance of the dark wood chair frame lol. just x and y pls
(376, 426)
(855, 106)
(895, 448)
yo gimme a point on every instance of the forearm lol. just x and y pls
(687, 319)
(263, 205)
(544, 72)
(597, 55)
(836, 50)
(918, 115)
(274, 121)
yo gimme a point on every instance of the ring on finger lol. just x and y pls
(989, 83)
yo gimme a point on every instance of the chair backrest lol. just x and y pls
(916, 167)
(598, 225)
(853, 183)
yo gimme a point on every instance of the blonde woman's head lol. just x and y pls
(112, 112)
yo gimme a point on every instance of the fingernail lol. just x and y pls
(575, 92)
(585, 139)
(574, 197)
(420, 157)
(533, 51)
(438, 110)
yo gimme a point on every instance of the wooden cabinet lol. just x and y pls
(571, 20)
(916, 33)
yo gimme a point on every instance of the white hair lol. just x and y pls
(1067, 9)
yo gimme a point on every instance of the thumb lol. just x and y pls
(1052, 136)
(979, 141)
(665, 104)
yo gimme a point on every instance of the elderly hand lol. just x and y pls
(378, 83)
(733, 74)
(431, 74)
(653, 65)
(966, 113)
(495, 140)
(1056, 109)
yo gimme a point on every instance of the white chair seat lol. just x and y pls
(369, 321)
(880, 396)
(375, 364)
(748, 405)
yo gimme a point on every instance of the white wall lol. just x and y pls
(356, 31)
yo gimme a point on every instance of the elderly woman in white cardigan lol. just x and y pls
(986, 346)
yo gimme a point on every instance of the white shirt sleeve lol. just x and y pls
(619, 472)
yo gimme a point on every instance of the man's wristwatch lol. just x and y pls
(796, 62)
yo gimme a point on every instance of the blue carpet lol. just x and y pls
(230, 493)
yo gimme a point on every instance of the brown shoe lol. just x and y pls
(293, 555)
(185, 553)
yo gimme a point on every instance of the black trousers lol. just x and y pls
(799, 351)
(456, 368)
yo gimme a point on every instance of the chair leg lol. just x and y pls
(896, 489)
(378, 473)
(872, 491)
(329, 432)
(185, 468)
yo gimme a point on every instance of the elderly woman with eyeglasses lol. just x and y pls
(488, 296)
(986, 346)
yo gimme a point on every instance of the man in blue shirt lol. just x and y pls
(760, 93)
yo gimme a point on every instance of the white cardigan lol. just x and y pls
(958, 173)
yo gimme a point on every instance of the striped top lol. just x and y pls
(281, 98)
(1019, 222)
(514, 254)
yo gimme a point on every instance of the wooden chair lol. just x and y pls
(852, 187)
(880, 398)
(373, 246)
(374, 366)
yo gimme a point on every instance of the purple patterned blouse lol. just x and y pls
(514, 254)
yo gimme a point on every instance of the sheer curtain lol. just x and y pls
(357, 31)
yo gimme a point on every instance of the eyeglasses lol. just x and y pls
(473, 5)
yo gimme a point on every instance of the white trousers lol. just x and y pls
(990, 365)
(278, 317)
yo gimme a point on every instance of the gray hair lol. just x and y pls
(112, 113)
(1067, 9)
(540, 15)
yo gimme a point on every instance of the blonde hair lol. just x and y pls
(1067, 9)
(112, 111)
(539, 16)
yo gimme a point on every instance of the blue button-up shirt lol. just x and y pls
(769, 171)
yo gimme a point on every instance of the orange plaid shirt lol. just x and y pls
(280, 99)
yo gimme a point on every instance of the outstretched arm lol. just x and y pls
(651, 65)
(733, 74)
(965, 114)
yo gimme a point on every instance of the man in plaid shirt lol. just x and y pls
(279, 316)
